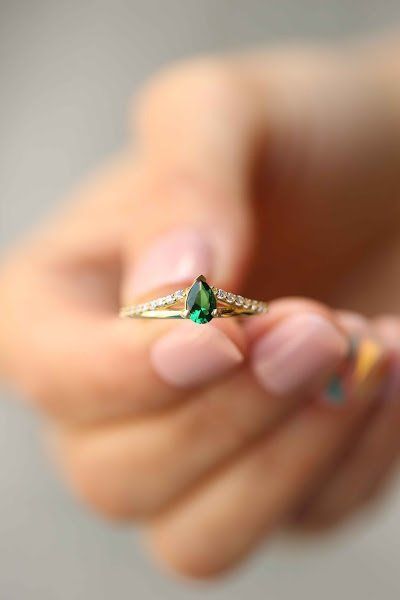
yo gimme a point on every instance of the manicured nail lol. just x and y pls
(335, 392)
(362, 376)
(191, 355)
(300, 351)
(175, 258)
(337, 389)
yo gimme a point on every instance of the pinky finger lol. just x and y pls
(364, 472)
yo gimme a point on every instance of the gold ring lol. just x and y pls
(199, 302)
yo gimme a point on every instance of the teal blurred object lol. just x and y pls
(335, 391)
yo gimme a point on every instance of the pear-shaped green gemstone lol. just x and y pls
(200, 302)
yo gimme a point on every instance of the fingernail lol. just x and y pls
(337, 389)
(191, 355)
(371, 368)
(362, 376)
(299, 352)
(335, 392)
(175, 258)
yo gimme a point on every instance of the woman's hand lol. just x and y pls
(273, 175)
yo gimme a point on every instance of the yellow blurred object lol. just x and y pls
(370, 368)
(368, 355)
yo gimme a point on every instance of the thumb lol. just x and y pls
(198, 126)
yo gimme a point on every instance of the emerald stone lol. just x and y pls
(200, 302)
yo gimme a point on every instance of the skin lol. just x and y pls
(289, 159)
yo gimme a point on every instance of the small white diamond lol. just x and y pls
(170, 299)
(153, 304)
(247, 303)
(221, 295)
(230, 298)
(239, 300)
(254, 305)
(179, 294)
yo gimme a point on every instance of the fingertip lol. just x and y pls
(192, 355)
(354, 323)
(297, 353)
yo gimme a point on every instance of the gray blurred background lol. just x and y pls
(67, 70)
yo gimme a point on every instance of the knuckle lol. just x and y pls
(211, 418)
(116, 481)
(209, 83)
(91, 480)
(188, 557)
(111, 376)
(108, 386)
(36, 388)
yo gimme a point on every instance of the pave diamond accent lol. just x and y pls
(221, 295)
(239, 300)
(156, 303)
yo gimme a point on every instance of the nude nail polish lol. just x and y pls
(175, 258)
(298, 353)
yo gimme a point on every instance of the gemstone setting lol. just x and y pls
(200, 302)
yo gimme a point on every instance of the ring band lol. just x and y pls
(198, 302)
